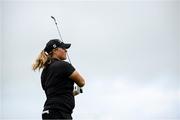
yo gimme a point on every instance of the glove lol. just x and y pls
(77, 90)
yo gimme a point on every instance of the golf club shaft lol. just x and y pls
(60, 36)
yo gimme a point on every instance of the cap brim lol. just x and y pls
(66, 45)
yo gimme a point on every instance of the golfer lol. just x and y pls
(57, 80)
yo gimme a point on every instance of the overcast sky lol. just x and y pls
(127, 51)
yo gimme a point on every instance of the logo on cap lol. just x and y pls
(54, 46)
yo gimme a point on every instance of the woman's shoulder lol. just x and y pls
(59, 63)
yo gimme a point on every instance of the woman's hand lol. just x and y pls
(77, 90)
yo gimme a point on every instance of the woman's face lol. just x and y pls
(60, 53)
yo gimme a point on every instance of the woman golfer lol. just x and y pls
(57, 80)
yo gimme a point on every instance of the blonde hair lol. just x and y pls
(42, 60)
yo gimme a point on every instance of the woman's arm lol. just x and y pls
(77, 78)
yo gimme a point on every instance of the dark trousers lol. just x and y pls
(55, 114)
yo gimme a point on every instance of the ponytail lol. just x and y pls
(41, 61)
